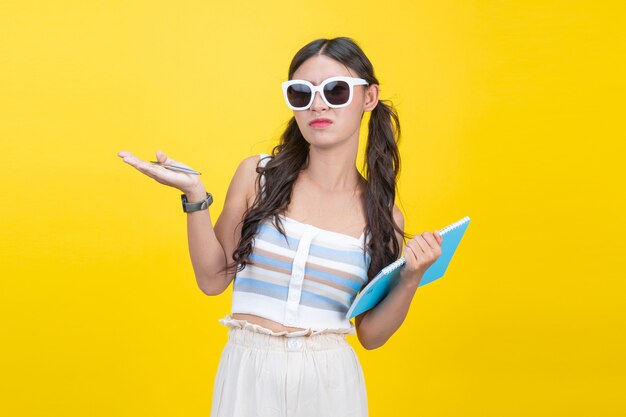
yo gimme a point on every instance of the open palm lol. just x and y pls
(182, 181)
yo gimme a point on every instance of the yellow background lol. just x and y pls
(512, 114)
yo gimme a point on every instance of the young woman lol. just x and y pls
(300, 233)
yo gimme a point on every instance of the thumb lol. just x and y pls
(161, 157)
(438, 236)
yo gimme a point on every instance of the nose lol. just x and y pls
(318, 102)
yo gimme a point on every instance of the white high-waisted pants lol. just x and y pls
(262, 373)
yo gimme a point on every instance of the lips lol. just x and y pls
(320, 123)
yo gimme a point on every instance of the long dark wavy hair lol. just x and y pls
(289, 157)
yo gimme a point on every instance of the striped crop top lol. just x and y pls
(308, 280)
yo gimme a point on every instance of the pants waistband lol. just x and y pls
(229, 321)
(249, 338)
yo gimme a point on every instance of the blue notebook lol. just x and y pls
(386, 279)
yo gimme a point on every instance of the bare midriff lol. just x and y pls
(268, 324)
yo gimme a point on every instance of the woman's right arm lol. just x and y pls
(210, 248)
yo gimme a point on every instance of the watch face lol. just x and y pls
(199, 205)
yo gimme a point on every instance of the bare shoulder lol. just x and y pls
(239, 197)
(247, 167)
(244, 179)
(398, 217)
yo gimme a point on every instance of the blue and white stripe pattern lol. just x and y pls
(308, 280)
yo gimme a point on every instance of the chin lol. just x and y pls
(323, 141)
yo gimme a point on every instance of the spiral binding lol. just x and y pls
(401, 261)
(454, 225)
(397, 263)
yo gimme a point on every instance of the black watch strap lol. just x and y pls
(197, 206)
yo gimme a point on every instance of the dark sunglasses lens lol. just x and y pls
(299, 95)
(337, 92)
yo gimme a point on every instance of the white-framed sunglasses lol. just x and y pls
(335, 91)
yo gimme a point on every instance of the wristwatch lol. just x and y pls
(197, 206)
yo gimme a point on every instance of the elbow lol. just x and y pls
(210, 291)
(371, 344)
(211, 287)
(369, 337)
(213, 281)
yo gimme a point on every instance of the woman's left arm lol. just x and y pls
(375, 326)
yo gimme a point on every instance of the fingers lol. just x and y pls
(424, 247)
(151, 170)
(413, 250)
(424, 243)
(143, 166)
(127, 156)
(132, 160)
(438, 237)
(431, 241)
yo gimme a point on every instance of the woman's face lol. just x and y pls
(337, 125)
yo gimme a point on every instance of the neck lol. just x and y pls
(334, 168)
